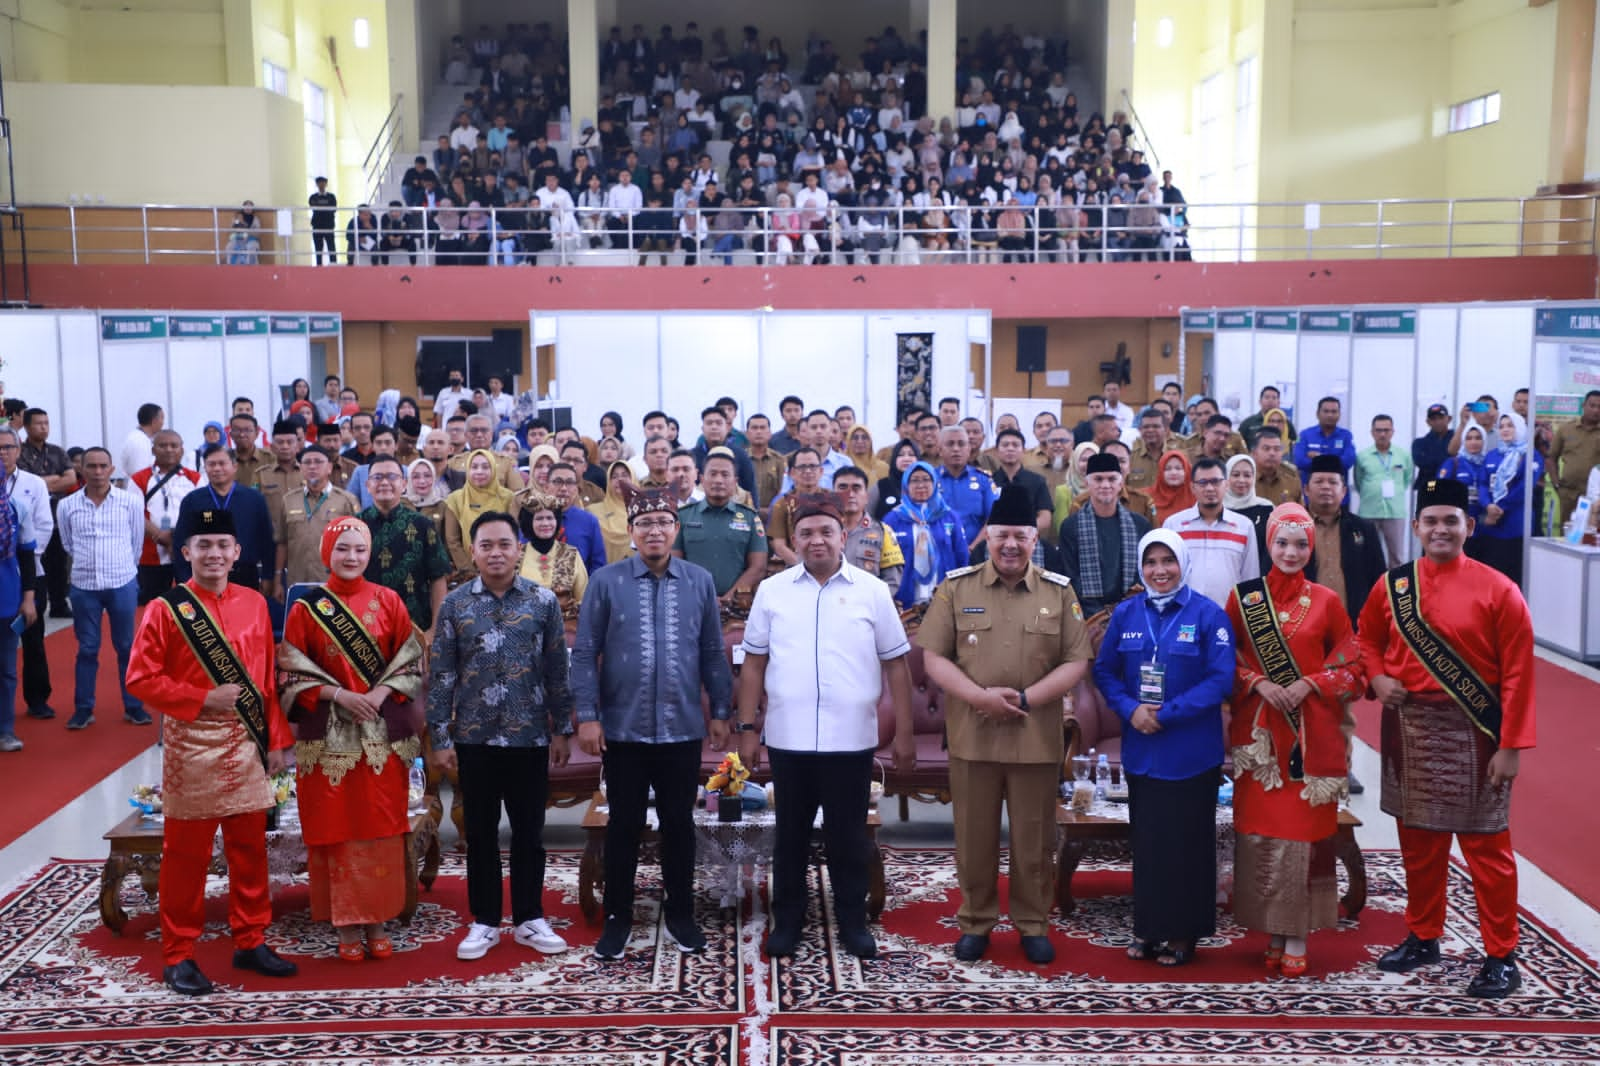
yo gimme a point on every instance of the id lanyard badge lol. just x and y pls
(1153, 674)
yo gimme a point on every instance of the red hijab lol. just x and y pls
(330, 536)
(1170, 499)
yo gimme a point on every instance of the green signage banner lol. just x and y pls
(1199, 320)
(133, 327)
(288, 324)
(1581, 323)
(1235, 319)
(194, 326)
(324, 324)
(247, 325)
(1386, 323)
(1280, 321)
(1325, 321)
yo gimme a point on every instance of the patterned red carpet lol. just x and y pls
(71, 992)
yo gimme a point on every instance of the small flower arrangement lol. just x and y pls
(282, 785)
(727, 783)
(146, 799)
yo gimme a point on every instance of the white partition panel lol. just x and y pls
(1495, 352)
(248, 372)
(705, 357)
(821, 358)
(290, 358)
(199, 391)
(1276, 363)
(952, 364)
(30, 348)
(78, 421)
(1381, 383)
(132, 373)
(1436, 364)
(609, 362)
(1232, 371)
(1324, 371)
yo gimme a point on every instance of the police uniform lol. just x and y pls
(298, 527)
(998, 635)
(969, 494)
(719, 538)
(871, 547)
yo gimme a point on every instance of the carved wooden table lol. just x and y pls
(1078, 831)
(136, 848)
(591, 867)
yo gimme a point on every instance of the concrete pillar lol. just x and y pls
(1569, 108)
(239, 43)
(942, 99)
(583, 60)
(1119, 54)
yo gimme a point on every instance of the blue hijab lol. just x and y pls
(925, 513)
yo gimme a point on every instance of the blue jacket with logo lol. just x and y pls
(1193, 640)
(971, 494)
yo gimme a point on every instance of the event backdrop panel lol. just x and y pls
(1276, 363)
(198, 378)
(290, 358)
(247, 366)
(1381, 371)
(952, 334)
(706, 357)
(132, 373)
(820, 358)
(609, 362)
(1232, 371)
(1495, 352)
(80, 410)
(29, 345)
(1436, 366)
(1324, 371)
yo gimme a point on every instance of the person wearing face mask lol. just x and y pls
(445, 403)
(1503, 525)
(1165, 666)
(1299, 667)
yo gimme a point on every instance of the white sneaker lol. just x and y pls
(478, 941)
(536, 933)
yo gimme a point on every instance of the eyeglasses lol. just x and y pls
(655, 523)
(567, 482)
(808, 466)
(1208, 482)
(10, 448)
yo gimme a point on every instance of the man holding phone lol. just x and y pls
(1485, 411)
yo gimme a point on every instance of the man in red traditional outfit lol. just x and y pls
(203, 658)
(1448, 645)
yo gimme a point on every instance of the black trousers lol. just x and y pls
(839, 783)
(322, 241)
(1172, 826)
(153, 581)
(517, 779)
(632, 769)
(1502, 553)
(35, 667)
(57, 571)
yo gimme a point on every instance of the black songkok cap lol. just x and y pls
(1015, 507)
(1442, 492)
(1327, 464)
(1103, 463)
(217, 522)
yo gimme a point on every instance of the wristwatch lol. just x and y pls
(744, 727)
(1022, 699)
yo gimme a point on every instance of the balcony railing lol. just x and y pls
(907, 234)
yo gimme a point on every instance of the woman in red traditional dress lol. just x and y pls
(1298, 668)
(349, 673)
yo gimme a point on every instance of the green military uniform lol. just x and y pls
(719, 538)
(298, 528)
(1013, 637)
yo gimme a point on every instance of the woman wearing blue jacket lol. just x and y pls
(929, 533)
(17, 577)
(1467, 466)
(1503, 525)
(1165, 667)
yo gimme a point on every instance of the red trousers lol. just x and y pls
(1493, 866)
(185, 857)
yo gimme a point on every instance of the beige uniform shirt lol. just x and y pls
(274, 484)
(770, 470)
(1005, 636)
(1281, 486)
(505, 469)
(1573, 453)
(1142, 466)
(298, 528)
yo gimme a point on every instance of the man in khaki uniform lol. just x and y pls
(303, 513)
(480, 435)
(1145, 458)
(277, 480)
(1573, 453)
(249, 459)
(1006, 642)
(1276, 481)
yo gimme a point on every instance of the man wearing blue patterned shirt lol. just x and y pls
(500, 712)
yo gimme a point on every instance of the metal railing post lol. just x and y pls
(144, 228)
(216, 235)
(72, 227)
(1239, 253)
(1036, 213)
(1522, 221)
(1378, 242)
(1449, 229)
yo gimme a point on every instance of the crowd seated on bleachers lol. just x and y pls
(741, 151)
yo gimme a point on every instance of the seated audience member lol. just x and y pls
(930, 535)
(481, 494)
(1099, 541)
(547, 559)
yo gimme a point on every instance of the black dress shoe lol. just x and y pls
(264, 961)
(1497, 979)
(1038, 949)
(1356, 787)
(1409, 955)
(970, 947)
(783, 941)
(186, 979)
(44, 712)
(857, 941)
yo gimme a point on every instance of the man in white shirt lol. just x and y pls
(812, 202)
(821, 639)
(102, 529)
(328, 405)
(501, 403)
(557, 203)
(134, 455)
(162, 485)
(464, 138)
(445, 404)
(623, 202)
(1221, 543)
(1127, 418)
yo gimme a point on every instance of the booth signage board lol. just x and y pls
(133, 327)
(291, 325)
(1579, 368)
(1199, 320)
(1558, 408)
(1278, 321)
(1235, 319)
(180, 327)
(1386, 323)
(1582, 323)
(1325, 321)
(322, 325)
(247, 325)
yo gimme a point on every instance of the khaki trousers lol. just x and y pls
(1030, 792)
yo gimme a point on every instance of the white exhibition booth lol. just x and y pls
(1384, 359)
(92, 369)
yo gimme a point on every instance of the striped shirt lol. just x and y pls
(105, 540)
(1221, 553)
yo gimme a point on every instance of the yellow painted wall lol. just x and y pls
(34, 39)
(171, 45)
(1495, 46)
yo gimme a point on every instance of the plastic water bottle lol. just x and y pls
(419, 784)
(1102, 776)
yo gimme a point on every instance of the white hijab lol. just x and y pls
(1180, 551)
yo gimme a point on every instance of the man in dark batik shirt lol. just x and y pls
(408, 555)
